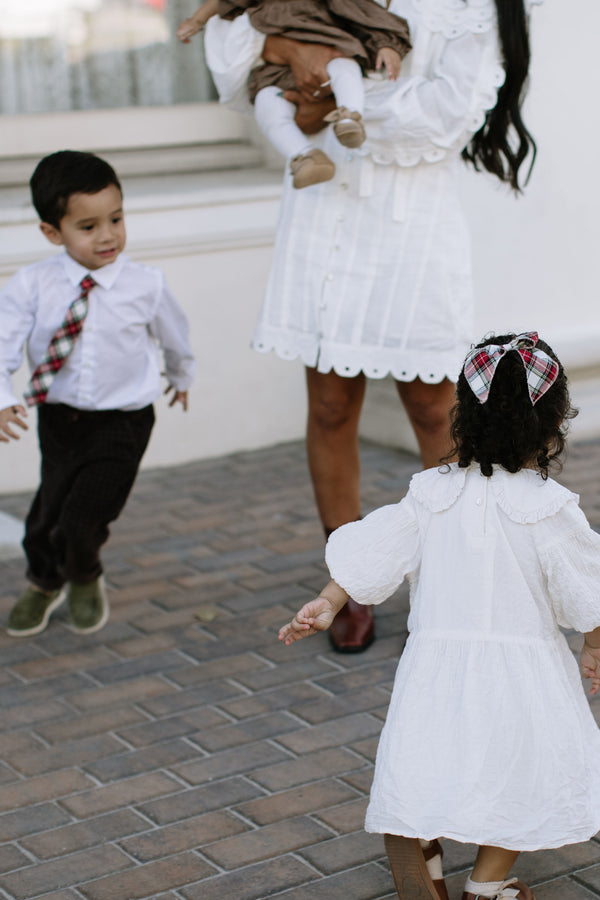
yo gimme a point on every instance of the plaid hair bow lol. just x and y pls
(541, 371)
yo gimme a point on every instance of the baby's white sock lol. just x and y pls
(347, 83)
(484, 888)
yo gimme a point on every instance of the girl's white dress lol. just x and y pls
(372, 270)
(489, 737)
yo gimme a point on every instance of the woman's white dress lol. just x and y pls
(489, 737)
(371, 270)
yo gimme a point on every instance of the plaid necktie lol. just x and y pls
(60, 346)
(541, 371)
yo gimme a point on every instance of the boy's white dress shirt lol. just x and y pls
(116, 360)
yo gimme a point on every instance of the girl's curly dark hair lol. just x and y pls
(508, 430)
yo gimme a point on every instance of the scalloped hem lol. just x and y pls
(430, 367)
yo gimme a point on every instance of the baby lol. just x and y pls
(368, 36)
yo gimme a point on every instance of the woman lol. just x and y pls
(371, 273)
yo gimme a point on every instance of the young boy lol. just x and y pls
(92, 321)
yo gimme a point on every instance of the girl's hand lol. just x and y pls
(310, 116)
(12, 415)
(391, 60)
(178, 397)
(590, 666)
(308, 63)
(317, 615)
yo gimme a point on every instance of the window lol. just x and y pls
(110, 75)
(58, 55)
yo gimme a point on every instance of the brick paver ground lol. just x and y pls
(182, 753)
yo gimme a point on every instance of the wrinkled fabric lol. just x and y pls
(489, 738)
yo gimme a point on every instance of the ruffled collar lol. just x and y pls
(524, 497)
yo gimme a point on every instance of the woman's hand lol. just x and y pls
(310, 116)
(308, 63)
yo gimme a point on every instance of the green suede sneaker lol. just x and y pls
(32, 610)
(88, 606)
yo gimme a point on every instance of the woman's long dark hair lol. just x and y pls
(503, 142)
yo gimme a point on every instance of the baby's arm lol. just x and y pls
(317, 615)
(391, 60)
(189, 27)
(11, 416)
(590, 659)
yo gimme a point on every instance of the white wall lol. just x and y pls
(535, 257)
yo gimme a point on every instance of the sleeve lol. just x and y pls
(425, 115)
(232, 50)
(571, 561)
(374, 25)
(17, 319)
(170, 328)
(369, 559)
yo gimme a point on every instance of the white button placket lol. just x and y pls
(338, 211)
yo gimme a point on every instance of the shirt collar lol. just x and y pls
(105, 276)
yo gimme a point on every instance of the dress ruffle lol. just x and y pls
(453, 18)
(531, 499)
(435, 493)
(431, 368)
(525, 500)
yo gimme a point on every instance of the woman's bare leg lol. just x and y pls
(428, 408)
(334, 407)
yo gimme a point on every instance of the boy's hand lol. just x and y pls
(590, 666)
(178, 397)
(391, 60)
(12, 416)
(317, 615)
(187, 29)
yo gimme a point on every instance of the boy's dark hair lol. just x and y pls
(508, 430)
(62, 174)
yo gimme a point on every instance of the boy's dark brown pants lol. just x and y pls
(89, 464)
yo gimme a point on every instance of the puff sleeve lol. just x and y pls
(232, 49)
(425, 115)
(572, 565)
(369, 559)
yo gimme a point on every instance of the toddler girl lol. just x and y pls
(368, 36)
(489, 738)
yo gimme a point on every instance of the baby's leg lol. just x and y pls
(347, 87)
(275, 118)
(347, 83)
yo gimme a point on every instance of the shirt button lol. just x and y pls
(340, 218)
(479, 501)
(329, 276)
(343, 186)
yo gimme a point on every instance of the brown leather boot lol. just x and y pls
(353, 629)
(510, 890)
(408, 862)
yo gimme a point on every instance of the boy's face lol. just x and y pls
(92, 230)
